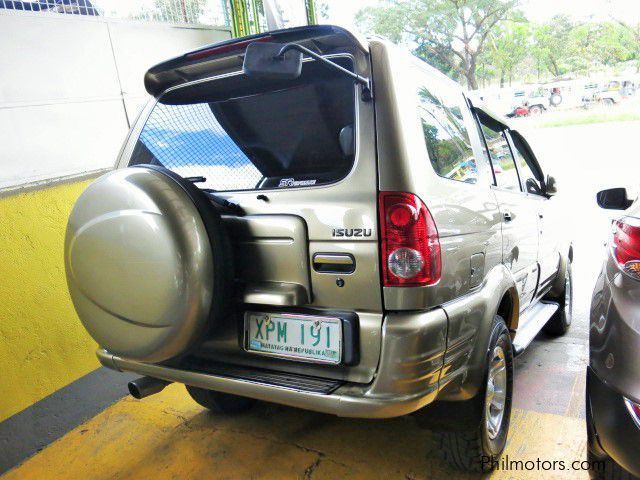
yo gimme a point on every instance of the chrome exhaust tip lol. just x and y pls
(145, 386)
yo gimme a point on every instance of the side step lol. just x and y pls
(291, 381)
(531, 322)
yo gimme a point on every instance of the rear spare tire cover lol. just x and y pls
(143, 266)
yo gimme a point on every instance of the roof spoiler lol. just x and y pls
(227, 55)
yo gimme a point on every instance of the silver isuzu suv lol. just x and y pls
(311, 219)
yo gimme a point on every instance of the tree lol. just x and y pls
(552, 44)
(634, 32)
(450, 34)
(507, 48)
(178, 11)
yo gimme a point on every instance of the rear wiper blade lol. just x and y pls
(196, 179)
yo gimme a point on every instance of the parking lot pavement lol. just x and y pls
(169, 436)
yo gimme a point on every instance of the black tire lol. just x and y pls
(220, 402)
(536, 110)
(561, 321)
(606, 469)
(556, 99)
(477, 449)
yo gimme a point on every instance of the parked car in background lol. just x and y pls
(539, 101)
(302, 218)
(613, 376)
(609, 94)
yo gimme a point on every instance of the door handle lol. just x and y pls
(507, 216)
(334, 263)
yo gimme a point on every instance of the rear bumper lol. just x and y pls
(612, 428)
(413, 347)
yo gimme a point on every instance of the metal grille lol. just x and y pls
(188, 12)
(189, 140)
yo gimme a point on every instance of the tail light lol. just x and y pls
(626, 245)
(634, 411)
(226, 47)
(410, 245)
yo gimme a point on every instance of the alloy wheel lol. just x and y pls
(496, 397)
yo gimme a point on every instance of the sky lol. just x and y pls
(342, 12)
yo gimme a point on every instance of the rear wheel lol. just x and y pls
(220, 402)
(561, 320)
(477, 449)
(536, 110)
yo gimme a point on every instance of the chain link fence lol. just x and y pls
(184, 12)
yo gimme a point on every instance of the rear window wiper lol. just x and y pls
(223, 203)
(199, 179)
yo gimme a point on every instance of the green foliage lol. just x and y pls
(174, 11)
(561, 46)
(552, 44)
(449, 34)
(472, 40)
(508, 46)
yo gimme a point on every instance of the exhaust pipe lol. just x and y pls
(145, 386)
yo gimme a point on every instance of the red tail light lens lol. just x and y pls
(626, 245)
(410, 244)
(226, 47)
(634, 411)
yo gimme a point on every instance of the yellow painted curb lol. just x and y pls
(168, 436)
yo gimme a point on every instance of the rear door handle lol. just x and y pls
(334, 263)
(508, 216)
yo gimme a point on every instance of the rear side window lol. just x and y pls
(297, 135)
(502, 160)
(446, 136)
(530, 183)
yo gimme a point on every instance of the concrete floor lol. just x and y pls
(168, 436)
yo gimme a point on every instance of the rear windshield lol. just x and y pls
(239, 135)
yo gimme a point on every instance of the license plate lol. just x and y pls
(298, 337)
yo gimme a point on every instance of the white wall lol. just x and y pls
(68, 84)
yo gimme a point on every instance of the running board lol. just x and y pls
(531, 322)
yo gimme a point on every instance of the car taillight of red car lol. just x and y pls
(634, 411)
(626, 245)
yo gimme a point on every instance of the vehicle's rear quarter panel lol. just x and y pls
(614, 333)
(466, 215)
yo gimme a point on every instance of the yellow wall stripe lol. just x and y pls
(43, 346)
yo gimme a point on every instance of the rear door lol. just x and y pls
(519, 215)
(298, 158)
(531, 177)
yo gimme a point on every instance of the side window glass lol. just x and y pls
(446, 137)
(529, 181)
(502, 161)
